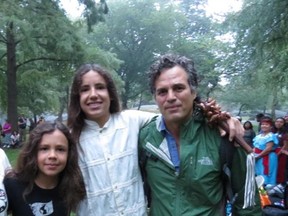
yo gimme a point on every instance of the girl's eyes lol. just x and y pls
(60, 149)
(97, 87)
(43, 149)
(83, 89)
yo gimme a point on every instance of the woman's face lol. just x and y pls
(94, 98)
(247, 125)
(279, 123)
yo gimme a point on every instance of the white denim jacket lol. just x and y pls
(109, 164)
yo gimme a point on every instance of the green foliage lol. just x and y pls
(260, 47)
(138, 31)
(94, 12)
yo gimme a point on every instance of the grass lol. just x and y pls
(12, 155)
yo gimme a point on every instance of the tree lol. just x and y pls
(261, 45)
(24, 40)
(139, 31)
(94, 12)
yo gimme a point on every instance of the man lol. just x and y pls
(259, 117)
(22, 128)
(183, 168)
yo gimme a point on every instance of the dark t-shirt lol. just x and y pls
(22, 122)
(39, 202)
(249, 136)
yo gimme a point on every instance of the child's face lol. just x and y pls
(52, 155)
(94, 97)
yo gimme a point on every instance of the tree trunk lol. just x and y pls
(11, 77)
(274, 102)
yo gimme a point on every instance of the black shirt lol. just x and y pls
(39, 202)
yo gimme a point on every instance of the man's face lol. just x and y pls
(173, 95)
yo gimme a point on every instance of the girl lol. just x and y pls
(47, 179)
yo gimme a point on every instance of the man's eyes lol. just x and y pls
(161, 92)
(175, 89)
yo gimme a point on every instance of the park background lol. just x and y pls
(240, 55)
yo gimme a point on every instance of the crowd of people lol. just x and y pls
(15, 138)
(91, 166)
(270, 144)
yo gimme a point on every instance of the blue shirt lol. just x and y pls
(172, 146)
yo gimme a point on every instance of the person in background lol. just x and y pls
(265, 144)
(41, 120)
(286, 122)
(15, 139)
(249, 133)
(280, 131)
(4, 166)
(1, 134)
(31, 124)
(47, 179)
(183, 165)
(7, 129)
(259, 116)
(108, 143)
(22, 123)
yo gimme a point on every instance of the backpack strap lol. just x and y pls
(143, 157)
(226, 151)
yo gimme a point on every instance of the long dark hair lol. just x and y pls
(71, 184)
(75, 114)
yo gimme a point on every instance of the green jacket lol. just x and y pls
(198, 188)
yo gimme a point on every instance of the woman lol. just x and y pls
(7, 129)
(108, 145)
(249, 133)
(281, 133)
(264, 147)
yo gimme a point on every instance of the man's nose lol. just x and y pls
(171, 95)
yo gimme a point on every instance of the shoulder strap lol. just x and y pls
(143, 157)
(227, 150)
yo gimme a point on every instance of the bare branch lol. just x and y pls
(40, 58)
